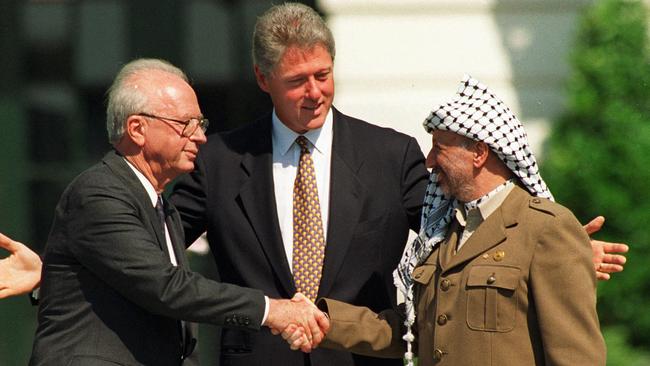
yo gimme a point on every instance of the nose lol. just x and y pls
(313, 91)
(199, 137)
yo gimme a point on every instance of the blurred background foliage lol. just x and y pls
(597, 161)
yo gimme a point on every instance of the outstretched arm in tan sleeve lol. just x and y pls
(359, 330)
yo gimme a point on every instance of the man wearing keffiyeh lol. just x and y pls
(499, 274)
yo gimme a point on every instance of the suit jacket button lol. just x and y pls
(437, 355)
(445, 284)
(442, 319)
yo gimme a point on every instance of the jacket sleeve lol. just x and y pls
(564, 291)
(359, 330)
(105, 230)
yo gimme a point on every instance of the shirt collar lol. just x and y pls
(151, 191)
(487, 204)
(284, 137)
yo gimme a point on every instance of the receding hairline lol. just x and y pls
(152, 82)
(152, 74)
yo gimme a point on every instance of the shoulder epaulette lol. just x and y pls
(543, 205)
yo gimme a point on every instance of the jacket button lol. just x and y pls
(445, 284)
(492, 279)
(442, 319)
(437, 355)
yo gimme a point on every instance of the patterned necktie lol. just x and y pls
(308, 238)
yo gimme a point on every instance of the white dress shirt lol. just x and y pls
(153, 196)
(286, 156)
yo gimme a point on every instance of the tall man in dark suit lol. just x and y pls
(116, 288)
(370, 184)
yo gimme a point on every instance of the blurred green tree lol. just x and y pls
(597, 159)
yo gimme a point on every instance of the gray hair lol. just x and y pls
(289, 24)
(124, 100)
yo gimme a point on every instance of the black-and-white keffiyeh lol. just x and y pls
(476, 113)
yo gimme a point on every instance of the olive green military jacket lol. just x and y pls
(521, 291)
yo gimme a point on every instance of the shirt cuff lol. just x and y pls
(266, 309)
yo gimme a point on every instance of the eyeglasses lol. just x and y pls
(191, 125)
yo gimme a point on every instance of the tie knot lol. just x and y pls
(303, 143)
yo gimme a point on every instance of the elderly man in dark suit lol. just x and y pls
(116, 288)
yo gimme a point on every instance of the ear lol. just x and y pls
(481, 153)
(135, 129)
(262, 80)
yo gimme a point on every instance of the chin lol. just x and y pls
(185, 167)
(315, 123)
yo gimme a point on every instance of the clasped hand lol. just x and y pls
(299, 321)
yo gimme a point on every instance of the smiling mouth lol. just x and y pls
(313, 108)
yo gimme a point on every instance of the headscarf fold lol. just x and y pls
(476, 113)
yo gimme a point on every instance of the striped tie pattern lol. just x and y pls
(308, 238)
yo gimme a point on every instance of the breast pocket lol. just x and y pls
(491, 300)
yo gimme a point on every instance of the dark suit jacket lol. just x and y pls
(109, 294)
(521, 291)
(377, 185)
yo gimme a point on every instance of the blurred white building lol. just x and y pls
(396, 59)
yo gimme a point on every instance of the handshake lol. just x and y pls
(299, 322)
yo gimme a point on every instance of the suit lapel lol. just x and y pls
(346, 193)
(119, 167)
(257, 198)
(492, 231)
